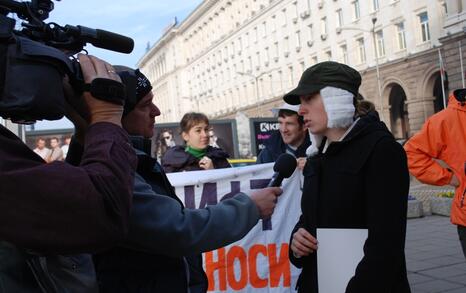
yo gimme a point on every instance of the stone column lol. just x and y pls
(418, 112)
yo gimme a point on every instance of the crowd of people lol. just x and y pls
(55, 151)
(109, 219)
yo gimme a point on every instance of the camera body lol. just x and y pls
(33, 61)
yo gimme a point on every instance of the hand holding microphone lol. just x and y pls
(266, 199)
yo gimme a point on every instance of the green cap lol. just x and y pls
(320, 75)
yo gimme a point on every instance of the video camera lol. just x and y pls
(34, 60)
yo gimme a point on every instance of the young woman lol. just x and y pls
(356, 176)
(196, 154)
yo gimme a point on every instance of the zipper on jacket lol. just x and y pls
(462, 198)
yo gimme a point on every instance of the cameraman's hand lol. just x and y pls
(99, 111)
(266, 200)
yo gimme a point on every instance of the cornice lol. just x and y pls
(197, 13)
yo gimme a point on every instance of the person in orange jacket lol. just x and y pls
(443, 137)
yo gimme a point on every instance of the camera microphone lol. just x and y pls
(101, 38)
(284, 168)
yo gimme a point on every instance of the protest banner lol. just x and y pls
(259, 262)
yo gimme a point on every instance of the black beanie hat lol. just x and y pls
(137, 86)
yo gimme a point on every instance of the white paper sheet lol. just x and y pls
(339, 252)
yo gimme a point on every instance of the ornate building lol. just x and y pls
(240, 56)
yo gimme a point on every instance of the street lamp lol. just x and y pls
(372, 31)
(256, 81)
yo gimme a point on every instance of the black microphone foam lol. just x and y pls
(114, 42)
(284, 168)
(101, 38)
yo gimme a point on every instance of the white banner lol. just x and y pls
(259, 262)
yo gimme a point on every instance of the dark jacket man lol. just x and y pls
(274, 147)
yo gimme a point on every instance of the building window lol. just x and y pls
(295, 10)
(328, 55)
(356, 12)
(311, 32)
(323, 26)
(380, 44)
(375, 5)
(258, 59)
(267, 55)
(280, 76)
(249, 63)
(303, 66)
(339, 18)
(344, 54)
(264, 29)
(286, 45)
(255, 35)
(298, 39)
(246, 40)
(400, 36)
(284, 17)
(291, 77)
(274, 23)
(277, 51)
(424, 23)
(314, 60)
(308, 6)
(361, 50)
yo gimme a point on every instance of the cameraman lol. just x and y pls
(61, 208)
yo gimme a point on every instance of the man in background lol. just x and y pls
(443, 138)
(56, 154)
(291, 138)
(41, 149)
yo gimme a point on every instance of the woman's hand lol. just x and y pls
(303, 243)
(206, 163)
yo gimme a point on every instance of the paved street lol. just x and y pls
(434, 258)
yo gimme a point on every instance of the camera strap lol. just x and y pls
(107, 90)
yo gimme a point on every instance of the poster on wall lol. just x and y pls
(50, 145)
(261, 130)
(222, 135)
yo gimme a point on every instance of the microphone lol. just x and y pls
(284, 168)
(102, 39)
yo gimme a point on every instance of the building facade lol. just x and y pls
(241, 56)
(17, 129)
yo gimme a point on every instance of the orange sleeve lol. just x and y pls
(422, 150)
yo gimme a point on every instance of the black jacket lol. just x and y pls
(177, 159)
(274, 147)
(147, 272)
(361, 182)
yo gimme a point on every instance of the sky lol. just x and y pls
(142, 20)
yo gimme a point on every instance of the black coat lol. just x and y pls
(360, 182)
(275, 146)
(176, 159)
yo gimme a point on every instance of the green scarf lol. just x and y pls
(198, 153)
